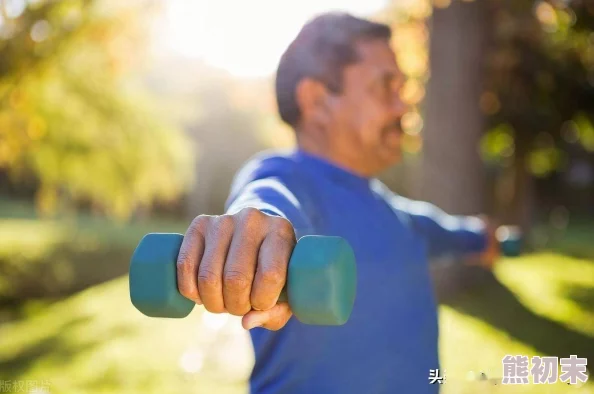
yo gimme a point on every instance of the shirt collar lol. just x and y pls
(329, 169)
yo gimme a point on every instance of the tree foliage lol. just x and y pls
(539, 85)
(539, 75)
(73, 118)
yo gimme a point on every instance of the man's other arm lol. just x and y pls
(445, 234)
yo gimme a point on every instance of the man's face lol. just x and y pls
(366, 115)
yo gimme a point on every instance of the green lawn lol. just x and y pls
(95, 341)
(540, 304)
(52, 258)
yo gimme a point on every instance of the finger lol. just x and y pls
(210, 272)
(272, 319)
(240, 266)
(188, 259)
(273, 261)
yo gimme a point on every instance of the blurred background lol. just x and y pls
(122, 118)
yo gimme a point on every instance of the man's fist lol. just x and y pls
(238, 264)
(492, 252)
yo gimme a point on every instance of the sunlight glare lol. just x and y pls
(214, 321)
(192, 360)
(246, 38)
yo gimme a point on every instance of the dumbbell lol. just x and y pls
(510, 240)
(320, 286)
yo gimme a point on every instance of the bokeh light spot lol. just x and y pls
(40, 31)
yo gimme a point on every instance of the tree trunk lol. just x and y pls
(453, 175)
(516, 192)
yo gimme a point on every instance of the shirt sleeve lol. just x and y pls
(270, 186)
(445, 234)
(271, 196)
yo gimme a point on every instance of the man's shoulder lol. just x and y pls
(400, 205)
(271, 163)
(399, 202)
(268, 163)
(395, 200)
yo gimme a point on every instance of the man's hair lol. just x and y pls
(322, 49)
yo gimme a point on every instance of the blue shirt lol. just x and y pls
(390, 342)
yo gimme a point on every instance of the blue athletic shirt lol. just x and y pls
(390, 342)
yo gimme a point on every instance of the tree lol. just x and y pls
(73, 120)
(453, 173)
(539, 89)
(523, 94)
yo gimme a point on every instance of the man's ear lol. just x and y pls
(313, 100)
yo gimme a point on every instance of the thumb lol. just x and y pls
(271, 319)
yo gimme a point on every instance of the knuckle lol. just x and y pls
(208, 279)
(251, 220)
(198, 224)
(283, 228)
(274, 276)
(236, 281)
(223, 224)
(250, 214)
(184, 259)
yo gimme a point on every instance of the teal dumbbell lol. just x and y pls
(510, 240)
(320, 289)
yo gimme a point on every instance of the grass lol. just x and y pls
(529, 308)
(95, 341)
(56, 257)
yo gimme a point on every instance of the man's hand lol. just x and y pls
(491, 254)
(238, 264)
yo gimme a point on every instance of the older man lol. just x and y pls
(338, 86)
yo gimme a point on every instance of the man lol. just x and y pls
(338, 86)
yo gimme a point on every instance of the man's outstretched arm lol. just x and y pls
(237, 263)
(467, 237)
(273, 197)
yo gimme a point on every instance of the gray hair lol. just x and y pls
(322, 49)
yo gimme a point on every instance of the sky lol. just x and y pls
(244, 37)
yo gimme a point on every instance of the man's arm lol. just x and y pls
(238, 262)
(272, 184)
(273, 197)
(446, 235)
